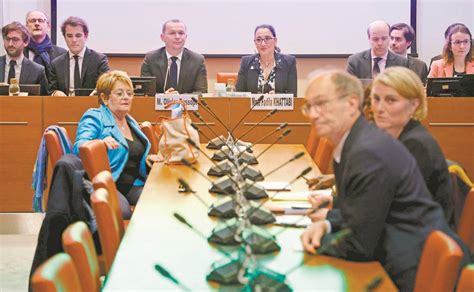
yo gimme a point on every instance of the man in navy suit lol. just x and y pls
(381, 195)
(368, 63)
(80, 67)
(14, 64)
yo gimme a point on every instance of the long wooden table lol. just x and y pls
(154, 236)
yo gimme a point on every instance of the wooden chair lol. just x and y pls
(58, 273)
(78, 243)
(94, 157)
(53, 145)
(312, 142)
(466, 281)
(439, 264)
(223, 77)
(149, 131)
(322, 156)
(108, 225)
(466, 223)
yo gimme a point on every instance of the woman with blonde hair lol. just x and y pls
(398, 102)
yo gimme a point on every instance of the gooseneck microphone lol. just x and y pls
(297, 156)
(257, 124)
(208, 109)
(247, 113)
(165, 273)
(283, 135)
(198, 115)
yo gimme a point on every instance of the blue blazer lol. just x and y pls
(98, 123)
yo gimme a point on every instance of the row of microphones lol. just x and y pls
(208, 109)
(220, 138)
(271, 113)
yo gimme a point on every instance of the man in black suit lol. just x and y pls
(401, 38)
(80, 67)
(177, 69)
(381, 195)
(40, 49)
(368, 63)
(14, 64)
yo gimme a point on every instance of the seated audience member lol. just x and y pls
(401, 38)
(398, 102)
(268, 71)
(439, 57)
(14, 64)
(457, 54)
(80, 67)
(128, 147)
(367, 64)
(381, 195)
(40, 49)
(176, 68)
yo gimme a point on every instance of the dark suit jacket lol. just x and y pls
(432, 164)
(93, 65)
(192, 73)
(54, 52)
(285, 74)
(360, 64)
(383, 199)
(419, 67)
(31, 73)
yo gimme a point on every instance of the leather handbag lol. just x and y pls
(173, 133)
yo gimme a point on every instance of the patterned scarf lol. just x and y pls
(41, 51)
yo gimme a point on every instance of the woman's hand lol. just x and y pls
(110, 142)
(152, 158)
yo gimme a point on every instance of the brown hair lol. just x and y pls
(447, 51)
(16, 26)
(75, 21)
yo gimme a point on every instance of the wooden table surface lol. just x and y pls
(154, 236)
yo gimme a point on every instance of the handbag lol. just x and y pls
(173, 133)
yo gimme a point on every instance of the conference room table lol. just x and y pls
(154, 236)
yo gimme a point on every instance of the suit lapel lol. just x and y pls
(183, 70)
(448, 69)
(66, 72)
(368, 61)
(25, 71)
(85, 65)
(254, 70)
(115, 131)
(2, 68)
(163, 67)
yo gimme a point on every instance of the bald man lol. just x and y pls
(367, 64)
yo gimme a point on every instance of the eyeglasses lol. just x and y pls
(267, 40)
(458, 43)
(39, 20)
(319, 105)
(13, 40)
(123, 94)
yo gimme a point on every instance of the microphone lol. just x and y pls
(198, 115)
(170, 277)
(280, 127)
(374, 283)
(297, 156)
(248, 112)
(208, 109)
(283, 135)
(257, 124)
(166, 75)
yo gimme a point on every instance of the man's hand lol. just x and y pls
(171, 90)
(311, 237)
(318, 214)
(59, 93)
(321, 182)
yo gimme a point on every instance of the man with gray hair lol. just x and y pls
(367, 64)
(382, 201)
(177, 69)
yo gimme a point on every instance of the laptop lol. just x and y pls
(31, 89)
(444, 87)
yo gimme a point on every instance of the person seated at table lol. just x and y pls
(398, 103)
(128, 148)
(457, 54)
(381, 195)
(268, 71)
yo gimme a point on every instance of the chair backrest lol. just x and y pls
(149, 131)
(466, 281)
(58, 273)
(466, 223)
(78, 243)
(94, 157)
(323, 154)
(105, 180)
(223, 77)
(53, 145)
(107, 224)
(312, 143)
(439, 264)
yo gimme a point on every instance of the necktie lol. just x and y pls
(376, 69)
(173, 76)
(11, 72)
(77, 74)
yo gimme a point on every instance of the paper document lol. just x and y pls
(300, 196)
(293, 220)
(275, 185)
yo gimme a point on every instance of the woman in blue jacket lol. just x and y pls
(127, 146)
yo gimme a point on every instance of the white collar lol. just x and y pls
(372, 56)
(81, 53)
(19, 60)
(179, 56)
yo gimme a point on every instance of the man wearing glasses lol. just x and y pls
(177, 69)
(14, 64)
(40, 49)
(367, 64)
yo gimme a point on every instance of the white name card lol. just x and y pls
(162, 99)
(283, 102)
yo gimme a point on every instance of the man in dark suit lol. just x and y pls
(368, 63)
(80, 67)
(177, 69)
(14, 64)
(40, 49)
(381, 195)
(401, 37)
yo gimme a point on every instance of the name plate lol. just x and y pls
(162, 99)
(283, 102)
